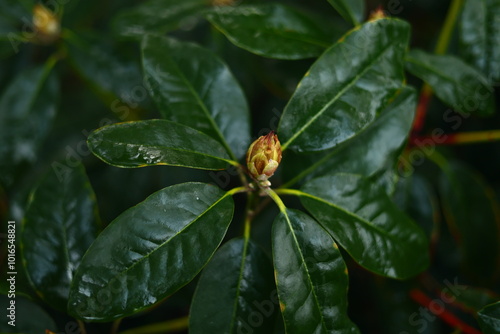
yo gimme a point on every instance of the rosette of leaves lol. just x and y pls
(341, 134)
(158, 246)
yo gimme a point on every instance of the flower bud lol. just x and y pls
(377, 14)
(264, 157)
(47, 25)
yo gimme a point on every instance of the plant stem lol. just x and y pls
(249, 215)
(423, 105)
(441, 48)
(241, 174)
(261, 206)
(115, 326)
(460, 138)
(274, 196)
(236, 191)
(170, 326)
(294, 192)
(82, 327)
(449, 25)
(439, 160)
(448, 317)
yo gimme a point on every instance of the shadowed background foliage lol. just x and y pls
(98, 80)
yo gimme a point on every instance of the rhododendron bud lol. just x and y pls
(47, 25)
(264, 157)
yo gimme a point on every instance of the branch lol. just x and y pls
(445, 315)
(456, 138)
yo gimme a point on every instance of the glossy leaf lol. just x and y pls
(117, 81)
(311, 276)
(271, 30)
(472, 298)
(342, 92)
(235, 293)
(415, 196)
(453, 81)
(374, 150)
(150, 251)
(470, 210)
(362, 218)
(30, 318)
(156, 17)
(192, 86)
(489, 319)
(27, 109)
(60, 223)
(351, 10)
(480, 37)
(156, 142)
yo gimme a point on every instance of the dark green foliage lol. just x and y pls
(367, 226)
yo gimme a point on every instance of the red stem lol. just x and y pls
(448, 317)
(423, 105)
(440, 138)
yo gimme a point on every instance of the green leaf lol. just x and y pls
(156, 142)
(192, 86)
(311, 276)
(235, 293)
(470, 209)
(472, 298)
(271, 30)
(415, 196)
(489, 319)
(374, 150)
(29, 317)
(480, 35)
(150, 251)
(17, 9)
(7, 29)
(351, 10)
(362, 218)
(60, 223)
(117, 81)
(27, 109)
(342, 92)
(453, 81)
(156, 17)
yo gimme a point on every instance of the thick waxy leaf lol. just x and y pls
(456, 83)
(373, 150)
(351, 10)
(271, 30)
(480, 35)
(489, 319)
(60, 224)
(150, 251)
(363, 219)
(27, 109)
(471, 298)
(471, 213)
(235, 293)
(118, 82)
(342, 92)
(29, 317)
(415, 196)
(156, 142)
(311, 276)
(157, 17)
(194, 87)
